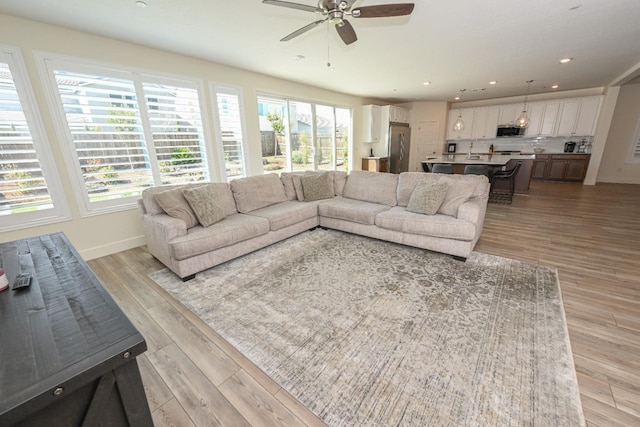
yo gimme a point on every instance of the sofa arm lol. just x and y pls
(474, 211)
(159, 231)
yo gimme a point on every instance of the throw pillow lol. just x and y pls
(317, 187)
(458, 192)
(175, 205)
(427, 197)
(203, 202)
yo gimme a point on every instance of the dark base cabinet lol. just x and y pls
(560, 167)
(67, 351)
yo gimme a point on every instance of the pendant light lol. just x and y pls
(523, 120)
(458, 126)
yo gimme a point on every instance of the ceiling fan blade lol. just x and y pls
(383, 10)
(291, 5)
(302, 30)
(346, 32)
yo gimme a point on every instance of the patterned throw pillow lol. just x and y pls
(317, 187)
(202, 201)
(175, 205)
(427, 197)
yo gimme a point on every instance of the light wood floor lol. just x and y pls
(591, 234)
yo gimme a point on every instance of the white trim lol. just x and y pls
(60, 211)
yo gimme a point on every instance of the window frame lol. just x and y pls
(214, 89)
(634, 150)
(60, 210)
(48, 63)
(313, 103)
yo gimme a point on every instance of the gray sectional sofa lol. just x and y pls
(250, 213)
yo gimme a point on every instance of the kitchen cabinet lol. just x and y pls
(560, 167)
(542, 118)
(398, 114)
(467, 117)
(485, 122)
(509, 113)
(371, 124)
(375, 164)
(578, 116)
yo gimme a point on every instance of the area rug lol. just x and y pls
(370, 333)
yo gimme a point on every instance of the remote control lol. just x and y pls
(22, 281)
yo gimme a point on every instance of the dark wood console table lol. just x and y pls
(67, 352)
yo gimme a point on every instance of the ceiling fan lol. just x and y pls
(336, 11)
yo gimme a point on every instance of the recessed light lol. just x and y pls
(555, 87)
(426, 83)
(493, 82)
(141, 4)
(457, 98)
(298, 57)
(566, 60)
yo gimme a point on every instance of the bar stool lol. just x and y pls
(476, 170)
(499, 197)
(441, 168)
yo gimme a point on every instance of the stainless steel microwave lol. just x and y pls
(510, 131)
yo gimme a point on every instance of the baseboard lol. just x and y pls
(113, 247)
(618, 180)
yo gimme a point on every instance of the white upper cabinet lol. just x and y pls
(467, 118)
(398, 114)
(485, 122)
(578, 116)
(509, 113)
(371, 123)
(542, 118)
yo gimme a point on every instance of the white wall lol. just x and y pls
(100, 235)
(614, 166)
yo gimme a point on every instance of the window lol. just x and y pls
(634, 152)
(127, 131)
(30, 193)
(230, 115)
(315, 137)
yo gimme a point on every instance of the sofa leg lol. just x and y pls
(459, 258)
(187, 278)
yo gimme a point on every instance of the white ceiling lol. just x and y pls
(460, 44)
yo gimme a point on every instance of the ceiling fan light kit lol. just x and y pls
(336, 11)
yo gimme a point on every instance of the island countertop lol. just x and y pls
(478, 159)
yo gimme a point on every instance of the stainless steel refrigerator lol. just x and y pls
(399, 145)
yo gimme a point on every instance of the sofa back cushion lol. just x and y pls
(374, 187)
(174, 204)
(257, 192)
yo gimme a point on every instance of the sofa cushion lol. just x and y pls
(374, 187)
(203, 202)
(317, 187)
(427, 197)
(458, 192)
(351, 210)
(256, 192)
(443, 226)
(407, 182)
(287, 182)
(287, 213)
(233, 229)
(151, 206)
(339, 181)
(174, 204)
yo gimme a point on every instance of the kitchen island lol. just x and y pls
(495, 162)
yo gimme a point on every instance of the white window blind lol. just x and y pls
(126, 131)
(103, 119)
(176, 127)
(230, 118)
(22, 184)
(29, 192)
(634, 152)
